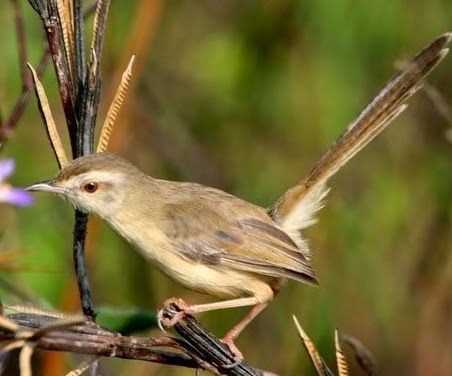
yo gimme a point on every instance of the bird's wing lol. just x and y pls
(296, 209)
(250, 244)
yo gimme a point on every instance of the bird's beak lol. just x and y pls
(47, 186)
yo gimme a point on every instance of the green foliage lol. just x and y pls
(126, 321)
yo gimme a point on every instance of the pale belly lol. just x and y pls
(224, 283)
(214, 280)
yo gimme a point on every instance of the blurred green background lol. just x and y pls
(246, 96)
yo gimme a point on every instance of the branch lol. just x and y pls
(54, 37)
(87, 105)
(7, 131)
(20, 31)
(78, 255)
(90, 95)
(91, 339)
(209, 351)
(55, 331)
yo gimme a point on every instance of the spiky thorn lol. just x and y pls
(317, 361)
(115, 107)
(342, 367)
(47, 117)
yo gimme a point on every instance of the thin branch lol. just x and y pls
(87, 106)
(79, 42)
(22, 102)
(20, 31)
(200, 349)
(91, 339)
(80, 227)
(54, 38)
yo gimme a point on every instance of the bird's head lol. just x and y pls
(96, 184)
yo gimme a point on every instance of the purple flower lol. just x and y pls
(9, 194)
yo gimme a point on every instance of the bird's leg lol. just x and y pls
(186, 309)
(194, 309)
(230, 336)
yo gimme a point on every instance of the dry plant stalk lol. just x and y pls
(65, 8)
(115, 107)
(51, 128)
(27, 338)
(342, 367)
(83, 367)
(316, 359)
(97, 27)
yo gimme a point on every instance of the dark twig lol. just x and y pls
(79, 48)
(200, 349)
(54, 35)
(80, 227)
(91, 339)
(207, 348)
(81, 219)
(87, 105)
(91, 90)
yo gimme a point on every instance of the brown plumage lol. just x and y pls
(216, 243)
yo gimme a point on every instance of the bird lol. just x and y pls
(216, 243)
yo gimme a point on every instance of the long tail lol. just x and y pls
(295, 210)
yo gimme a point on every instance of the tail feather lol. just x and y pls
(296, 209)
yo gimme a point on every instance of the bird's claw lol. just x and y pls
(176, 308)
(229, 342)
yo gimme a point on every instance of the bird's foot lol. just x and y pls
(176, 308)
(228, 340)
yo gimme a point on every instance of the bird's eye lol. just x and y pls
(91, 187)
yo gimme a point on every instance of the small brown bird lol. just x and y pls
(213, 242)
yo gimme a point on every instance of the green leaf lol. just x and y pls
(126, 320)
